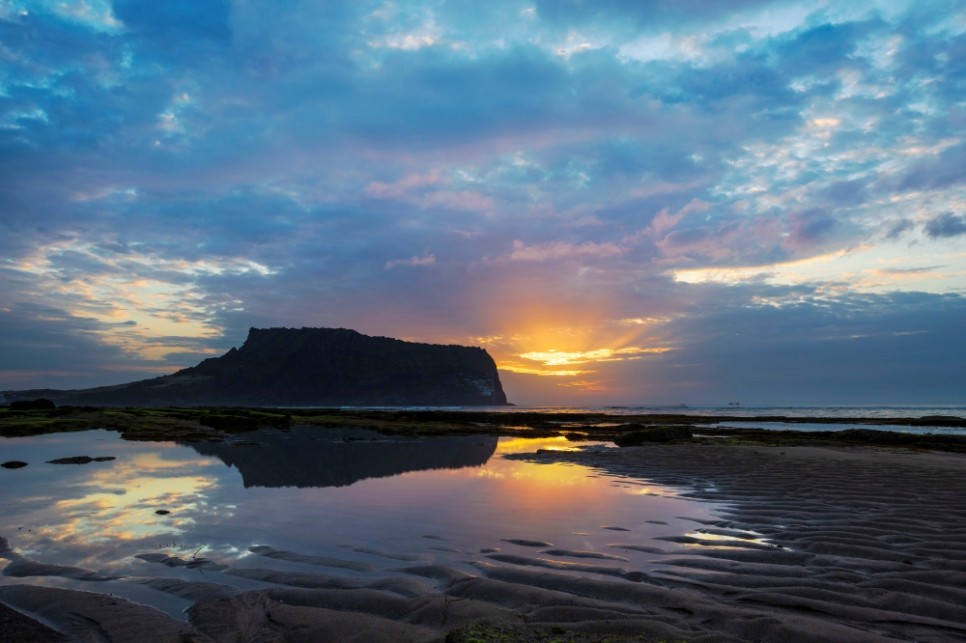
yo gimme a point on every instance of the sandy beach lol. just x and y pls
(814, 544)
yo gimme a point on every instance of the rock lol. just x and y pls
(81, 459)
(31, 405)
(228, 422)
(653, 434)
(13, 464)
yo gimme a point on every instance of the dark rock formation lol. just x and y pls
(81, 459)
(638, 434)
(31, 405)
(315, 367)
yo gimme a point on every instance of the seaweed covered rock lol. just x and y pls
(229, 422)
(641, 434)
(32, 405)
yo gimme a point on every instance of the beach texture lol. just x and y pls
(812, 544)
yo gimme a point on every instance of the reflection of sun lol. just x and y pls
(529, 445)
(545, 491)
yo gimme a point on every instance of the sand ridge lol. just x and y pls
(873, 539)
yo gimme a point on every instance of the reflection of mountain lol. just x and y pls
(339, 457)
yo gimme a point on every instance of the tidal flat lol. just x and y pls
(936, 432)
(415, 525)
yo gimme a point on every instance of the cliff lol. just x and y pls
(314, 367)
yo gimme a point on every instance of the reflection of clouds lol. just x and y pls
(99, 529)
(647, 491)
(115, 504)
(489, 473)
(156, 461)
(130, 515)
(109, 516)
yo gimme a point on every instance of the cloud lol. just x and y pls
(814, 350)
(404, 186)
(938, 172)
(559, 250)
(625, 14)
(809, 229)
(176, 20)
(426, 191)
(202, 167)
(946, 225)
(425, 260)
(564, 358)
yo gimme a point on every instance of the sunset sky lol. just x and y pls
(623, 201)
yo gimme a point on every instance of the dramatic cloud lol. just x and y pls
(946, 225)
(648, 202)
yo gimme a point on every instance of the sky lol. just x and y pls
(623, 201)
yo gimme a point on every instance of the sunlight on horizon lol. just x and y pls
(571, 358)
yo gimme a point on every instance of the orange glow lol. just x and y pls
(545, 491)
(529, 445)
(530, 370)
(562, 358)
(587, 386)
(549, 490)
(568, 345)
(568, 353)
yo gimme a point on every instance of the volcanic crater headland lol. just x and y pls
(313, 367)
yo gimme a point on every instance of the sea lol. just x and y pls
(737, 410)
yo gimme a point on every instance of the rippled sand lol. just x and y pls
(814, 544)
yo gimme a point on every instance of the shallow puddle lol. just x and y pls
(345, 503)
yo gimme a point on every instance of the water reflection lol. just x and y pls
(341, 457)
(371, 502)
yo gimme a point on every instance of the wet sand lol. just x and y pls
(814, 544)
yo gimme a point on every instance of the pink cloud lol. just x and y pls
(403, 188)
(426, 260)
(665, 220)
(461, 200)
(561, 250)
(422, 190)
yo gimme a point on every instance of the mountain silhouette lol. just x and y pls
(311, 367)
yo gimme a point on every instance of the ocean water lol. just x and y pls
(878, 412)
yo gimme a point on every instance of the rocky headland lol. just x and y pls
(311, 367)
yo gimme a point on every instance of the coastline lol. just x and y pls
(942, 432)
(816, 542)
